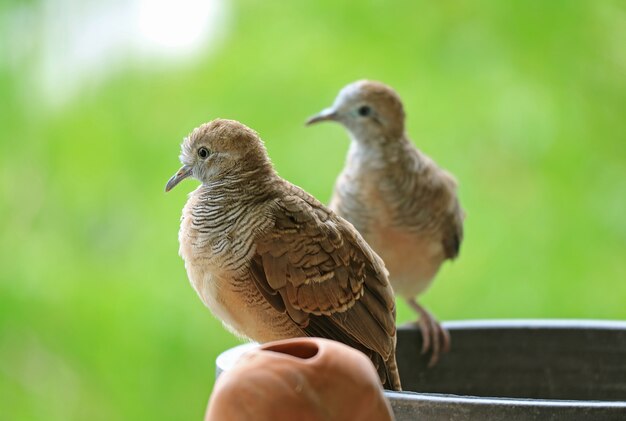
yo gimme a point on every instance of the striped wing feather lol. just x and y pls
(315, 267)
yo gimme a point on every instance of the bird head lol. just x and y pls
(217, 148)
(370, 111)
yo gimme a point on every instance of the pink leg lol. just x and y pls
(434, 337)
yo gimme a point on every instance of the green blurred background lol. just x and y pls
(524, 101)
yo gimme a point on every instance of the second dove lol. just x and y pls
(403, 204)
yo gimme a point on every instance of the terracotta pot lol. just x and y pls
(303, 379)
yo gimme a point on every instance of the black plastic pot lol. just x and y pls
(511, 370)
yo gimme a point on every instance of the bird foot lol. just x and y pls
(435, 338)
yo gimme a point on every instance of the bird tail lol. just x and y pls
(393, 374)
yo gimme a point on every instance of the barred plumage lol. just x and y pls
(270, 260)
(403, 204)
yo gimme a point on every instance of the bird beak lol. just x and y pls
(328, 114)
(184, 172)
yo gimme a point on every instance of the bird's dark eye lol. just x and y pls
(203, 152)
(364, 111)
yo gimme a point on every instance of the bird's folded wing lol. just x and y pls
(453, 233)
(314, 266)
(437, 207)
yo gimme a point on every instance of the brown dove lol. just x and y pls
(403, 204)
(270, 260)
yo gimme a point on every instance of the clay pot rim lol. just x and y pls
(309, 345)
(284, 343)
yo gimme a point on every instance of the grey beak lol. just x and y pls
(327, 114)
(184, 172)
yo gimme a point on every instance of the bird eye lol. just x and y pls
(364, 111)
(203, 152)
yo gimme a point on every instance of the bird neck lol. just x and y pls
(379, 152)
(240, 185)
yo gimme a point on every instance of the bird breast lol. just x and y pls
(217, 241)
(384, 204)
(218, 232)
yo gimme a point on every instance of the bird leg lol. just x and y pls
(434, 336)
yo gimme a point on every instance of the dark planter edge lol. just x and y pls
(430, 398)
(529, 324)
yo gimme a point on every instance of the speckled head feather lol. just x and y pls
(220, 147)
(383, 97)
(225, 136)
(371, 111)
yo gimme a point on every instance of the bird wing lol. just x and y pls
(315, 267)
(438, 204)
(453, 232)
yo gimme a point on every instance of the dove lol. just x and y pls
(270, 260)
(401, 202)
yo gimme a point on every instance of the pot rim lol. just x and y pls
(529, 324)
(443, 399)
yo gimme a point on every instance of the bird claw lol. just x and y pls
(435, 338)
